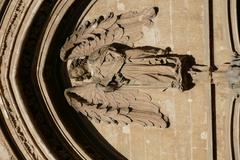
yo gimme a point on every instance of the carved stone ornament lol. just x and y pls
(61, 72)
(108, 72)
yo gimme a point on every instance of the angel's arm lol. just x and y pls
(141, 52)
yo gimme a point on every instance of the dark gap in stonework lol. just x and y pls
(213, 87)
(230, 25)
(232, 129)
(238, 17)
(3, 9)
(211, 37)
(214, 122)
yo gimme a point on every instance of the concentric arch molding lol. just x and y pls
(48, 60)
(28, 29)
(35, 117)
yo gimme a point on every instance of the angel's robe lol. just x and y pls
(142, 68)
(146, 68)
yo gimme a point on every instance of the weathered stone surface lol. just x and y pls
(45, 53)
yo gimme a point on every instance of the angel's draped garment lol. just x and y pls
(142, 68)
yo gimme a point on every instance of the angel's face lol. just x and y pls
(77, 69)
(77, 72)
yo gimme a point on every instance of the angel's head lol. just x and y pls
(78, 70)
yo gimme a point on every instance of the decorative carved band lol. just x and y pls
(13, 116)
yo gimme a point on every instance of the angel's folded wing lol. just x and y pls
(121, 106)
(92, 35)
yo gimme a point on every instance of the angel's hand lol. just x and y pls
(165, 51)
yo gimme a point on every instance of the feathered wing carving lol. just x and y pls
(125, 28)
(120, 106)
(90, 47)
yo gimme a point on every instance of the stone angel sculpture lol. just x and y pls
(109, 74)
